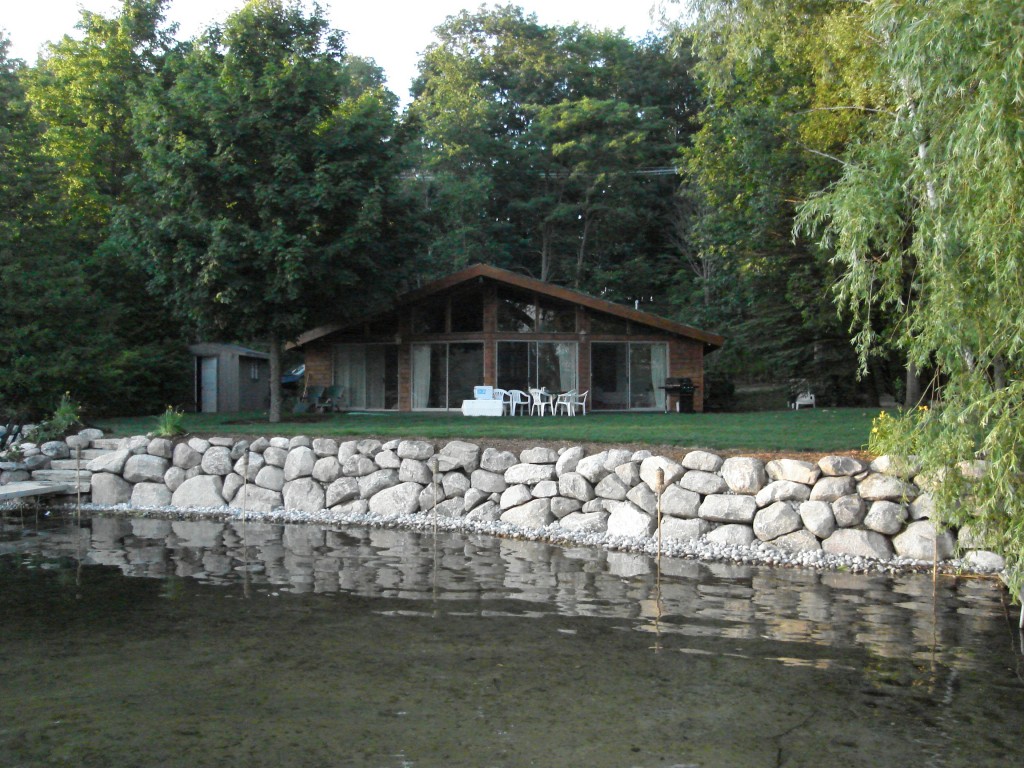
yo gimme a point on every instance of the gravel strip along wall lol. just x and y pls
(801, 511)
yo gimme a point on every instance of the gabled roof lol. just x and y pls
(711, 340)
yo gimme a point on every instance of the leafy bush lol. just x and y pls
(171, 423)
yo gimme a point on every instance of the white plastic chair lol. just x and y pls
(580, 402)
(519, 401)
(505, 397)
(539, 401)
(565, 402)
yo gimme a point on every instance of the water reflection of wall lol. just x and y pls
(892, 617)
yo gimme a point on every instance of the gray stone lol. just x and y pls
(325, 446)
(402, 499)
(840, 466)
(271, 478)
(744, 475)
(515, 496)
(858, 543)
(197, 444)
(358, 466)
(732, 535)
(173, 478)
(584, 522)
(108, 489)
(143, 468)
(455, 484)
(150, 495)
(327, 469)
(493, 460)
(704, 483)
(91, 434)
(776, 520)
(561, 506)
(355, 507)
(300, 441)
(280, 442)
(568, 459)
(342, 490)
(645, 498)
(300, 463)
(596, 505)
(818, 518)
(462, 455)
(415, 471)
(304, 494)
(793, 470)
(259, 445)
(415, 449)
(923, 507)
(879, 487)
(679, 502)
(545, 489)
(375, 482)
(55, 449)
(831, 488)
(628, 520)
(782, 490)
(216, 460)
(628, 473)
(451, 508)
(252, 498)
(249, 465)
(885, 517)
(41, 461)
(848, 511)
(593, 468)
(199, 492)
(728, 509)
(275, 456)
(920, 542)
(75, 442)
(111, 462)
(896, 466)
(649, 471)
(538, 455)
(488, 482)
(387, 459)
(430, 497)
(573, 485)
(616, 457)
(162, 447)
(473, 498)
(797, 541)
(612, 488)
(684, 530)
(529, 474)
(350, 448)
(14, 476)
(703, 461)
(137, 444)
(238, 449)
(371, 447)
(531, 515)
(232, 483)
(984, 560)
(488, 512)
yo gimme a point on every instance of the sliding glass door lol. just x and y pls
(444, 374)
(368, 375)
(628, 375)
(527, 364)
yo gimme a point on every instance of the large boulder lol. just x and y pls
(150, 495)
(649, 471)
(252, 498)
(199, 492)
(584, 522)
(529, 474)
(817, 517)
(110, 462)
(921, 542)
(858, 543)
(704, 483)
(679, 502)
(831, 488)
(839, 466)
(533, 514)
(782, 490)
(728, 509)
(459, 455)
(612, 488)
(573, 485)
(880, 487)
(493, 460)
(744, 475)
(702, 461)
(776, 520)
(732, 535)
(684, 530)
(342, 490)
(628, 520)
(401, 499)
(217, 460)
(886, 517)
(793, 470)
(108, 489)
(300, 463)
(143, 468)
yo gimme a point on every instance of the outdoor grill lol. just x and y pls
(682, 389)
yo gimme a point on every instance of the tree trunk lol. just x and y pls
(912, 396)
(275, 379)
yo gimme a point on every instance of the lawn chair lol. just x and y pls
(539, 401)
(311, 399)
(520, 401)
(505, 397)
(332, 398)
(580, 402)
(565, 402)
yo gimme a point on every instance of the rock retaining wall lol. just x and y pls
(839, 505)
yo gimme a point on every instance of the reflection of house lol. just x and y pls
(230, 378)
(485, 325)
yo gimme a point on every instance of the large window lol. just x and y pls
(443, 375)
(368, 375)
(628, 375)
(526, 364)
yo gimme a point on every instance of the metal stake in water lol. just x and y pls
(659, 489)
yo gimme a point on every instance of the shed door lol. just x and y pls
(208, 384)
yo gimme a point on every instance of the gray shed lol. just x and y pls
(230, 378)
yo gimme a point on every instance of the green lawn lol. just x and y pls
(821, 429)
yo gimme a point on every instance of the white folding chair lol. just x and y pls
(539, 401)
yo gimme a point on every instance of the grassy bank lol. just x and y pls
(821, 429)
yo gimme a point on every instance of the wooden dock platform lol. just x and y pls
(27, 488)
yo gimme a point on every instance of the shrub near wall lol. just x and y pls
(838, 505)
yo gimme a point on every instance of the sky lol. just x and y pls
(393, 32)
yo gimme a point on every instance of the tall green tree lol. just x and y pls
(937, 192)
(549, 149)
(54, 334)
(263, 198)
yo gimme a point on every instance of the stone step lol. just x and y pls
(28, 488)
(62, 475)
(94, 453)
(69, 464)
(107, 443)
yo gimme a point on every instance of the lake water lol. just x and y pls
(157, 643)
